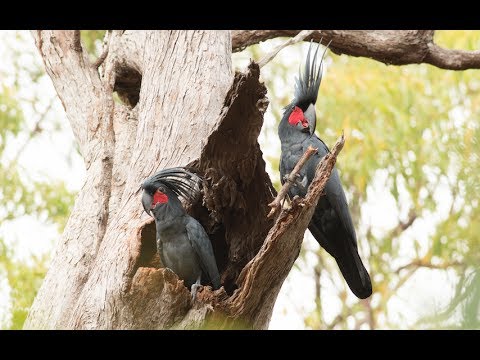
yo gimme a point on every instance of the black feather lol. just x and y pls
(182, 182)
(307, 86)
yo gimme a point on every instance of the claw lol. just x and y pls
(194, 288)
(301, 184)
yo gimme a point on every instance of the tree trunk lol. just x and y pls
(182, 105)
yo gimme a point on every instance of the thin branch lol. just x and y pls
(103, 55)
(370, 313)
(391, 47)
(418, 263)
(400, 283)
(317, 272)
(412, 268)
(35, 130)
(411, 218)
(454, 191)
(40, 41)
(276, 204)
(402, 226)
(300, 36)
(338, 319)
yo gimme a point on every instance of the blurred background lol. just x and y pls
(410, 168)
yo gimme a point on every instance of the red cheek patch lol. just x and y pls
(159, 198)
(297, 116)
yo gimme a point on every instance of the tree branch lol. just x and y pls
(418, 263)
(77, 43)
(391, 47)
(412, 268)
(452, 59)
(77, 84)
(276, 204)
(35, 130)
(338, 319)
(370, 313)
(104, 53)
(402, 226)
(400, 283)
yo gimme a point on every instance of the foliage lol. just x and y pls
(22, 194)
(24, 279)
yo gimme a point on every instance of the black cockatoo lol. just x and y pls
(182, 243)
(331, 224)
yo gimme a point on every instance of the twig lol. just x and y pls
(276, 204)
(418, 263)
(338, 319)
(40, 40)
(370, 313)
(300, 36)
(36, 129)
(338, 145)
(104, 53)
(400, 283)
(402, 226)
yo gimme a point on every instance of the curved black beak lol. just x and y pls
(147, 202)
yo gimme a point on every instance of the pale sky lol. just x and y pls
(50, 156)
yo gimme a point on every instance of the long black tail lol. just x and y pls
(348, 260)
(354, 272)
